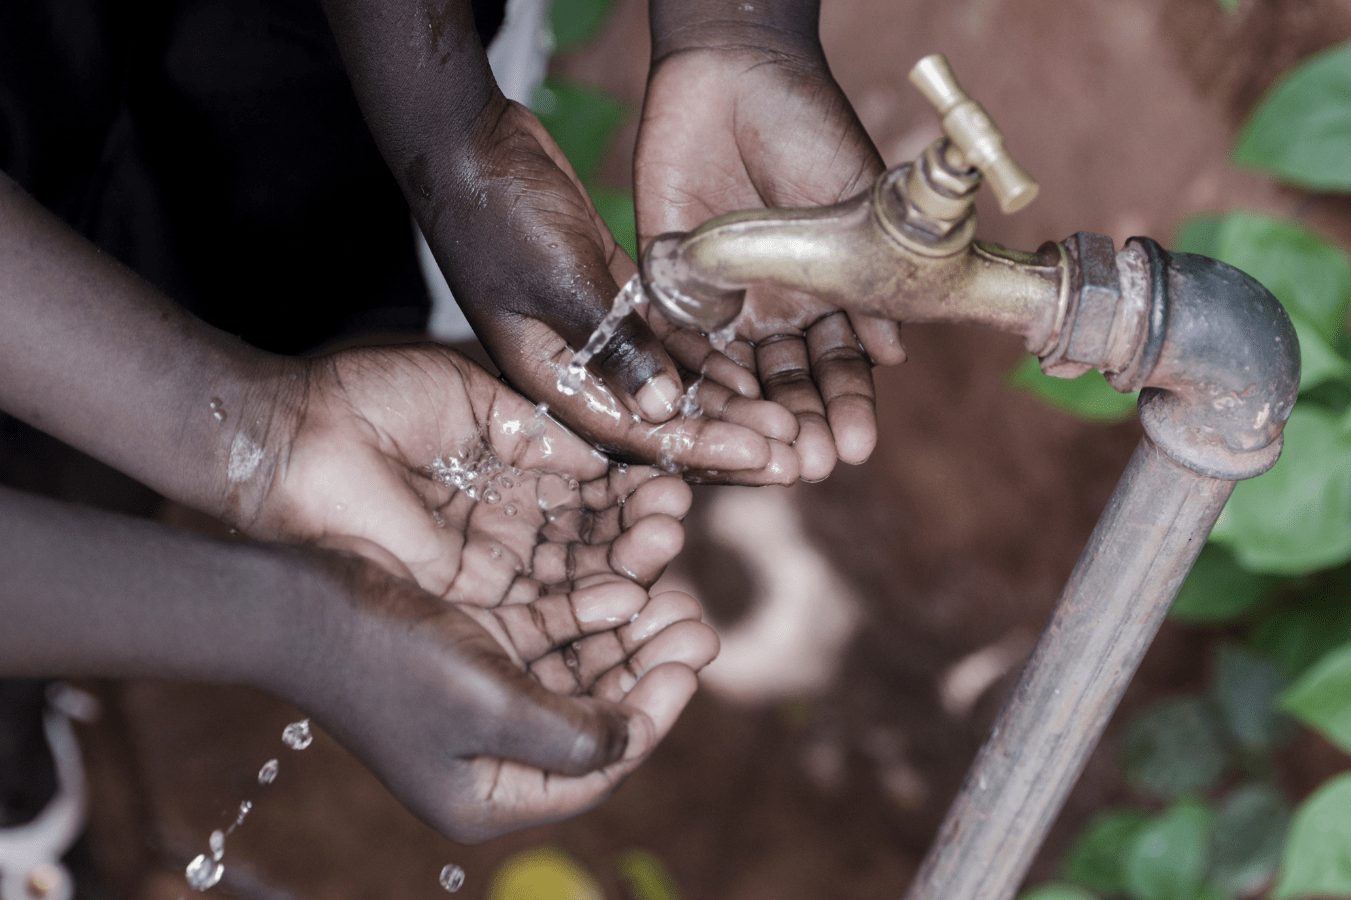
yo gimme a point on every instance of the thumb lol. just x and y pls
(635, 361)
(566, 735)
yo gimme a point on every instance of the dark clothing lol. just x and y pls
(214, 146)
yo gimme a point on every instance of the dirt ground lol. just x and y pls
(829, 779)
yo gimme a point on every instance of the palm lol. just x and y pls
(560, 289)
(725, 130)
(383, 452)
(501, 695)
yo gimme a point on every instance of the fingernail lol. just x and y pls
(658, 397)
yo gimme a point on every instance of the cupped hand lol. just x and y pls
(538, 689)
(548, 279)
(412, 455)
(741, 126)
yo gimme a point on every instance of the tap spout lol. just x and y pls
(870, 254)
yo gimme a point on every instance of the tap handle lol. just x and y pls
(970, 130)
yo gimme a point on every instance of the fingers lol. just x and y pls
(786, 376)
(843, 375)
(881, 338)
(513, 795)
(635, 361)
(557, 620)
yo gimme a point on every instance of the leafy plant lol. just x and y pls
(584, 120)
(1277, 567)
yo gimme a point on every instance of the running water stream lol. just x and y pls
(571, 379)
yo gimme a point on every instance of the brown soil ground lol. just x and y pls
(955, 536)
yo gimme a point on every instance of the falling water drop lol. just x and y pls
(268, 773)
(721, 338)
(217, 844)
(452, 877)
(203, 873)
(297, 735)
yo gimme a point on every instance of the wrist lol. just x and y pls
(780, 28)
(248, 425)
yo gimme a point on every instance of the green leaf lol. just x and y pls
(1246, 840)
(1170, 854)
(1056, 892)
(581, 119)
(1301, 131)
(1317, 859)
(1089, 396)
(575, 22)
(1246, 689)
(616, 208)
(1301, 632)
(1322, 698)
(1296, 518)
(1309, 274)
(1175, 747)
(1097, 857)
(647, 878)
(1318, 362)
(1219, 590)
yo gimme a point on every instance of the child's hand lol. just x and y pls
(511, 707)
(740, 115)
(535, 287)
(418, 459)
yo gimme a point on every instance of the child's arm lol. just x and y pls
(742, 112)
(459, 708)
(528, 257)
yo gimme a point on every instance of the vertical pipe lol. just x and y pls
(1117, 596)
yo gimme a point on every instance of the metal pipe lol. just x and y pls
(1116, 598)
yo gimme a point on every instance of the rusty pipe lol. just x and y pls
(1218, 362)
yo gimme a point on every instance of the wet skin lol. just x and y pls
(535, 269)
(516, 656)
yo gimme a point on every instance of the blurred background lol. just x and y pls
(872, 623)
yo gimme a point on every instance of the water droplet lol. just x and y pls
(217, 844)
(491, 496)
(571, 379)
(203, 873)
(509, 509)
(218, 409)
(268, 773)
(507, 482)
(452, 877)
(438, 520)
(689, 402)
(297, 735)
(721, 338)
(496, 553)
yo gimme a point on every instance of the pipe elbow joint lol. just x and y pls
(1218, 372)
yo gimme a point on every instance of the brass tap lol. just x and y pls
(903, 249)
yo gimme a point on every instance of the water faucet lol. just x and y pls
(903, 249)
(1211, 351)
(1212, 348)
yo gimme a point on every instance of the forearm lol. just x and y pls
(88, 593)
(96, 356)
(497, 201)
(733, 24)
